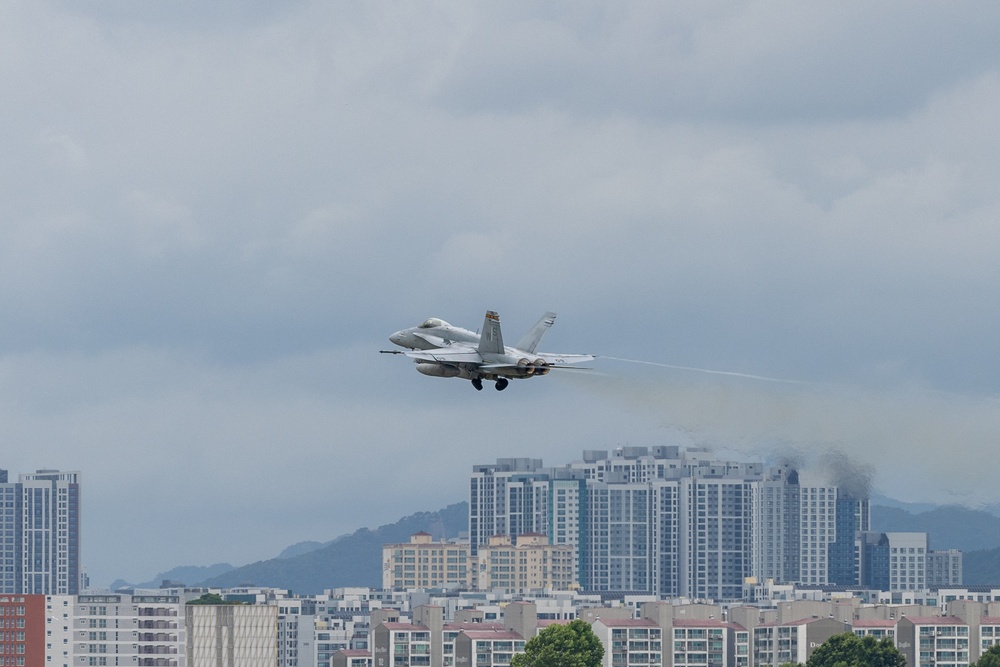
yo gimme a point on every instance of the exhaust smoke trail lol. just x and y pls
(909, 442)
(704, 370)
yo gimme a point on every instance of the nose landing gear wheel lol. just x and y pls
(502, 384)
(478, 384)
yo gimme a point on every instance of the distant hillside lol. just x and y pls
(354, 559)
(187, 574)
(349, 560)
(949, 527)
(981, 567)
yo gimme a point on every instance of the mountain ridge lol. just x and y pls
(353, 559)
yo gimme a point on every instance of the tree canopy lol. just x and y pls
(989, 658)
(849, 650)
(570, 645)
(209, 598)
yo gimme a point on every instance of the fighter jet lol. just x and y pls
(442, 350)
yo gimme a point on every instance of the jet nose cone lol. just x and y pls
(397, 338)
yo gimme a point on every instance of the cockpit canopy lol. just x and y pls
(433, 323)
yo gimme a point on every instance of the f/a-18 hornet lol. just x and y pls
(446, 351)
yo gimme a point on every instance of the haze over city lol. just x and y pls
(214, 216)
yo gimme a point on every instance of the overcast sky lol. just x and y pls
(212, 215)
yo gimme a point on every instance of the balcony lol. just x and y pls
(157, 650)
(156, 611)
(158, 625)
(157, 662)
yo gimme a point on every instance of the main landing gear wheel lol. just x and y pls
(502, 384)
(478, 384)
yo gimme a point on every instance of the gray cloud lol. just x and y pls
(213, 218)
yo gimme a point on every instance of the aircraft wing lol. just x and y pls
(436, 341)
(461, 356)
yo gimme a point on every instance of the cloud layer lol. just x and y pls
(213, 216)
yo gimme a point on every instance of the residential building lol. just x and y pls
(794, 641)
(59, 630)
(487, 647)
(944, 568)
(396, 644)
(529, 563)
(127, 630)
(22, 640)
(424, 563)
(709, 643)
(351, 658)
(231, 635)
(938, 641)
(40, 533)
(631, 641)
(878, 628)
(907, 561)
(297, 634)
(674, 522)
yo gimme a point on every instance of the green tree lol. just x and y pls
(849, 650)
(991, 658)
(570, 645)
(209, 598)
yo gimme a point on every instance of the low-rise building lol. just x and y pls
(779, 643)
(351, 658)
(487, 647)
(631, 641)
(938, 641)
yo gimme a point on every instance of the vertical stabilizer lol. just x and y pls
(490, 341)
(532, 338)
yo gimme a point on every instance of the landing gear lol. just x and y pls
(502, 384)
(478, 384)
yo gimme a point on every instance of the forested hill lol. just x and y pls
(355, 559)
(349, 560)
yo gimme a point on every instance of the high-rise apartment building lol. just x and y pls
(424, 563)
(40, 533)
(525, 563)
(674, 522)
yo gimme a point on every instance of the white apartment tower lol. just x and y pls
(127, 631)
(673, 522)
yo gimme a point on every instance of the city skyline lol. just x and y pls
(214, 215)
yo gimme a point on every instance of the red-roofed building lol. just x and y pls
(401, 645)
(989, 633)
(487, 647)
(879, 629)
(941, 641)
(526, 564)
(450, 633)
(708, 643)
(351, 658)
(629, 641)
(779, 643)
(424, 563)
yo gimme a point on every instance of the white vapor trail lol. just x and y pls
(706, 370)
